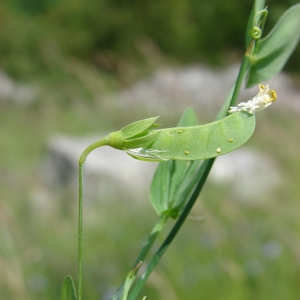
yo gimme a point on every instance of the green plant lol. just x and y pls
(182, 174)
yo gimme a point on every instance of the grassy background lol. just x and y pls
(75, 51)
(37, 36)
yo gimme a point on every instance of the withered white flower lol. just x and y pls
(263, 99)
(147, 154)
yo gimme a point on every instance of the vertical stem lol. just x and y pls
(151, 239)
(204, 170)
(235, 90)
(241, 74)
(82, 159)
(80, 214)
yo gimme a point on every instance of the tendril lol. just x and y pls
(258, 24)
(256, 32)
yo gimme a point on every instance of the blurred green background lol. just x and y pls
(70, 52)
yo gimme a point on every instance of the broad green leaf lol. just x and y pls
(68, 291)
(199, 142)
(272, 52)
(122, 292)
(171, 178)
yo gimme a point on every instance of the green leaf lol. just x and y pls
(172, 178)
(199, 142)
(138, 127)
(122, 292)
(160, 187)
(68, 291)
(188, 118)
(137, 134)
(170, 184)
(141, 141)
(272, 52)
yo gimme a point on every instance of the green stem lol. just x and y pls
(82, 159)
(224, 109)
(80, 230)
(151, 239)
(202, 175)
(235, 90)
(205, 169)
(241, 75)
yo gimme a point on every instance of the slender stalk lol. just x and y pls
(205, 169)
(241, 74)
(201, 176)
(151, 239)
(82, 159)
(80, 217)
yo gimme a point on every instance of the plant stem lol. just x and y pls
(241, 74)
(80, 215)
(151, 238)
(235, 90)
(82, 159)
(205, 169)
(202, 175)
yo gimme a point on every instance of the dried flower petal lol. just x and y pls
(263, 99)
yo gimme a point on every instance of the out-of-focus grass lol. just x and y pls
(117, 38)
(241, 250)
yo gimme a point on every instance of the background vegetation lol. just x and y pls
(37, 35)
(72, 51)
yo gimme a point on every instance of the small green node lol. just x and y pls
(230, 140)
(219, 150)
(180, 131)
(186, 152)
